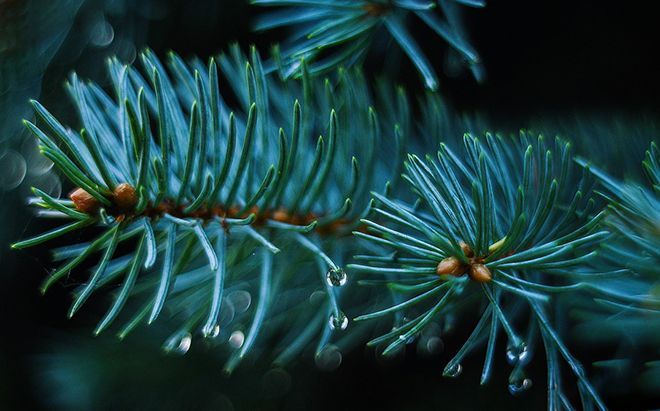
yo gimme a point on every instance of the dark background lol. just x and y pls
(543, 58)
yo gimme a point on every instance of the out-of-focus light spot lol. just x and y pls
(125, 50)
(241, 300)
(317, 297)
(227, 313)
(12, 170)
(430, 346)
(37, 163)
(49, 184)
(329, 358)
(236, 339)
(102, 34)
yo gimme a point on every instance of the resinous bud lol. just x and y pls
(450, 266)
(125, 196)
(480, 273)
(467, 250)
(84, 202)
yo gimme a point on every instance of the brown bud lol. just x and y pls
(467, 250)
(232, 212)
(480, 273)
(451, 266)
(84, 201)
(125, 197)
(281, 216)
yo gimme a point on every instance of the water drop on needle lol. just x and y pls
(179, 343)
(515, 354)
(336, 277)
(453, 371)
(519, 386)
(338, 322)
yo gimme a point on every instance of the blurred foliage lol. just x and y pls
(539, 58)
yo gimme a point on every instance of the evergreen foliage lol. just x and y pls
(209, 198)
(491, 236)
(332, 33)
(238, 199)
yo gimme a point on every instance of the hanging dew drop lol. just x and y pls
(179, 343)
(516, 354)
(406, 340)
(213, 332)
(338, 322)
(336, 277)
(519, 386)
(511, 356)
(184, 344)
(453, 371)
(523, 354)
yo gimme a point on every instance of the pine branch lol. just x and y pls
(507, 220)
(219, 200)
(338, 33)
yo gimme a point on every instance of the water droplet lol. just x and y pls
(515, 354)
(519, 386)
(241, 300)
(236, 339)
(179, 343)
(329, 358)
(336, 277)
(212, 332)
(339, 322)
(453, 371)
(408, 340)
